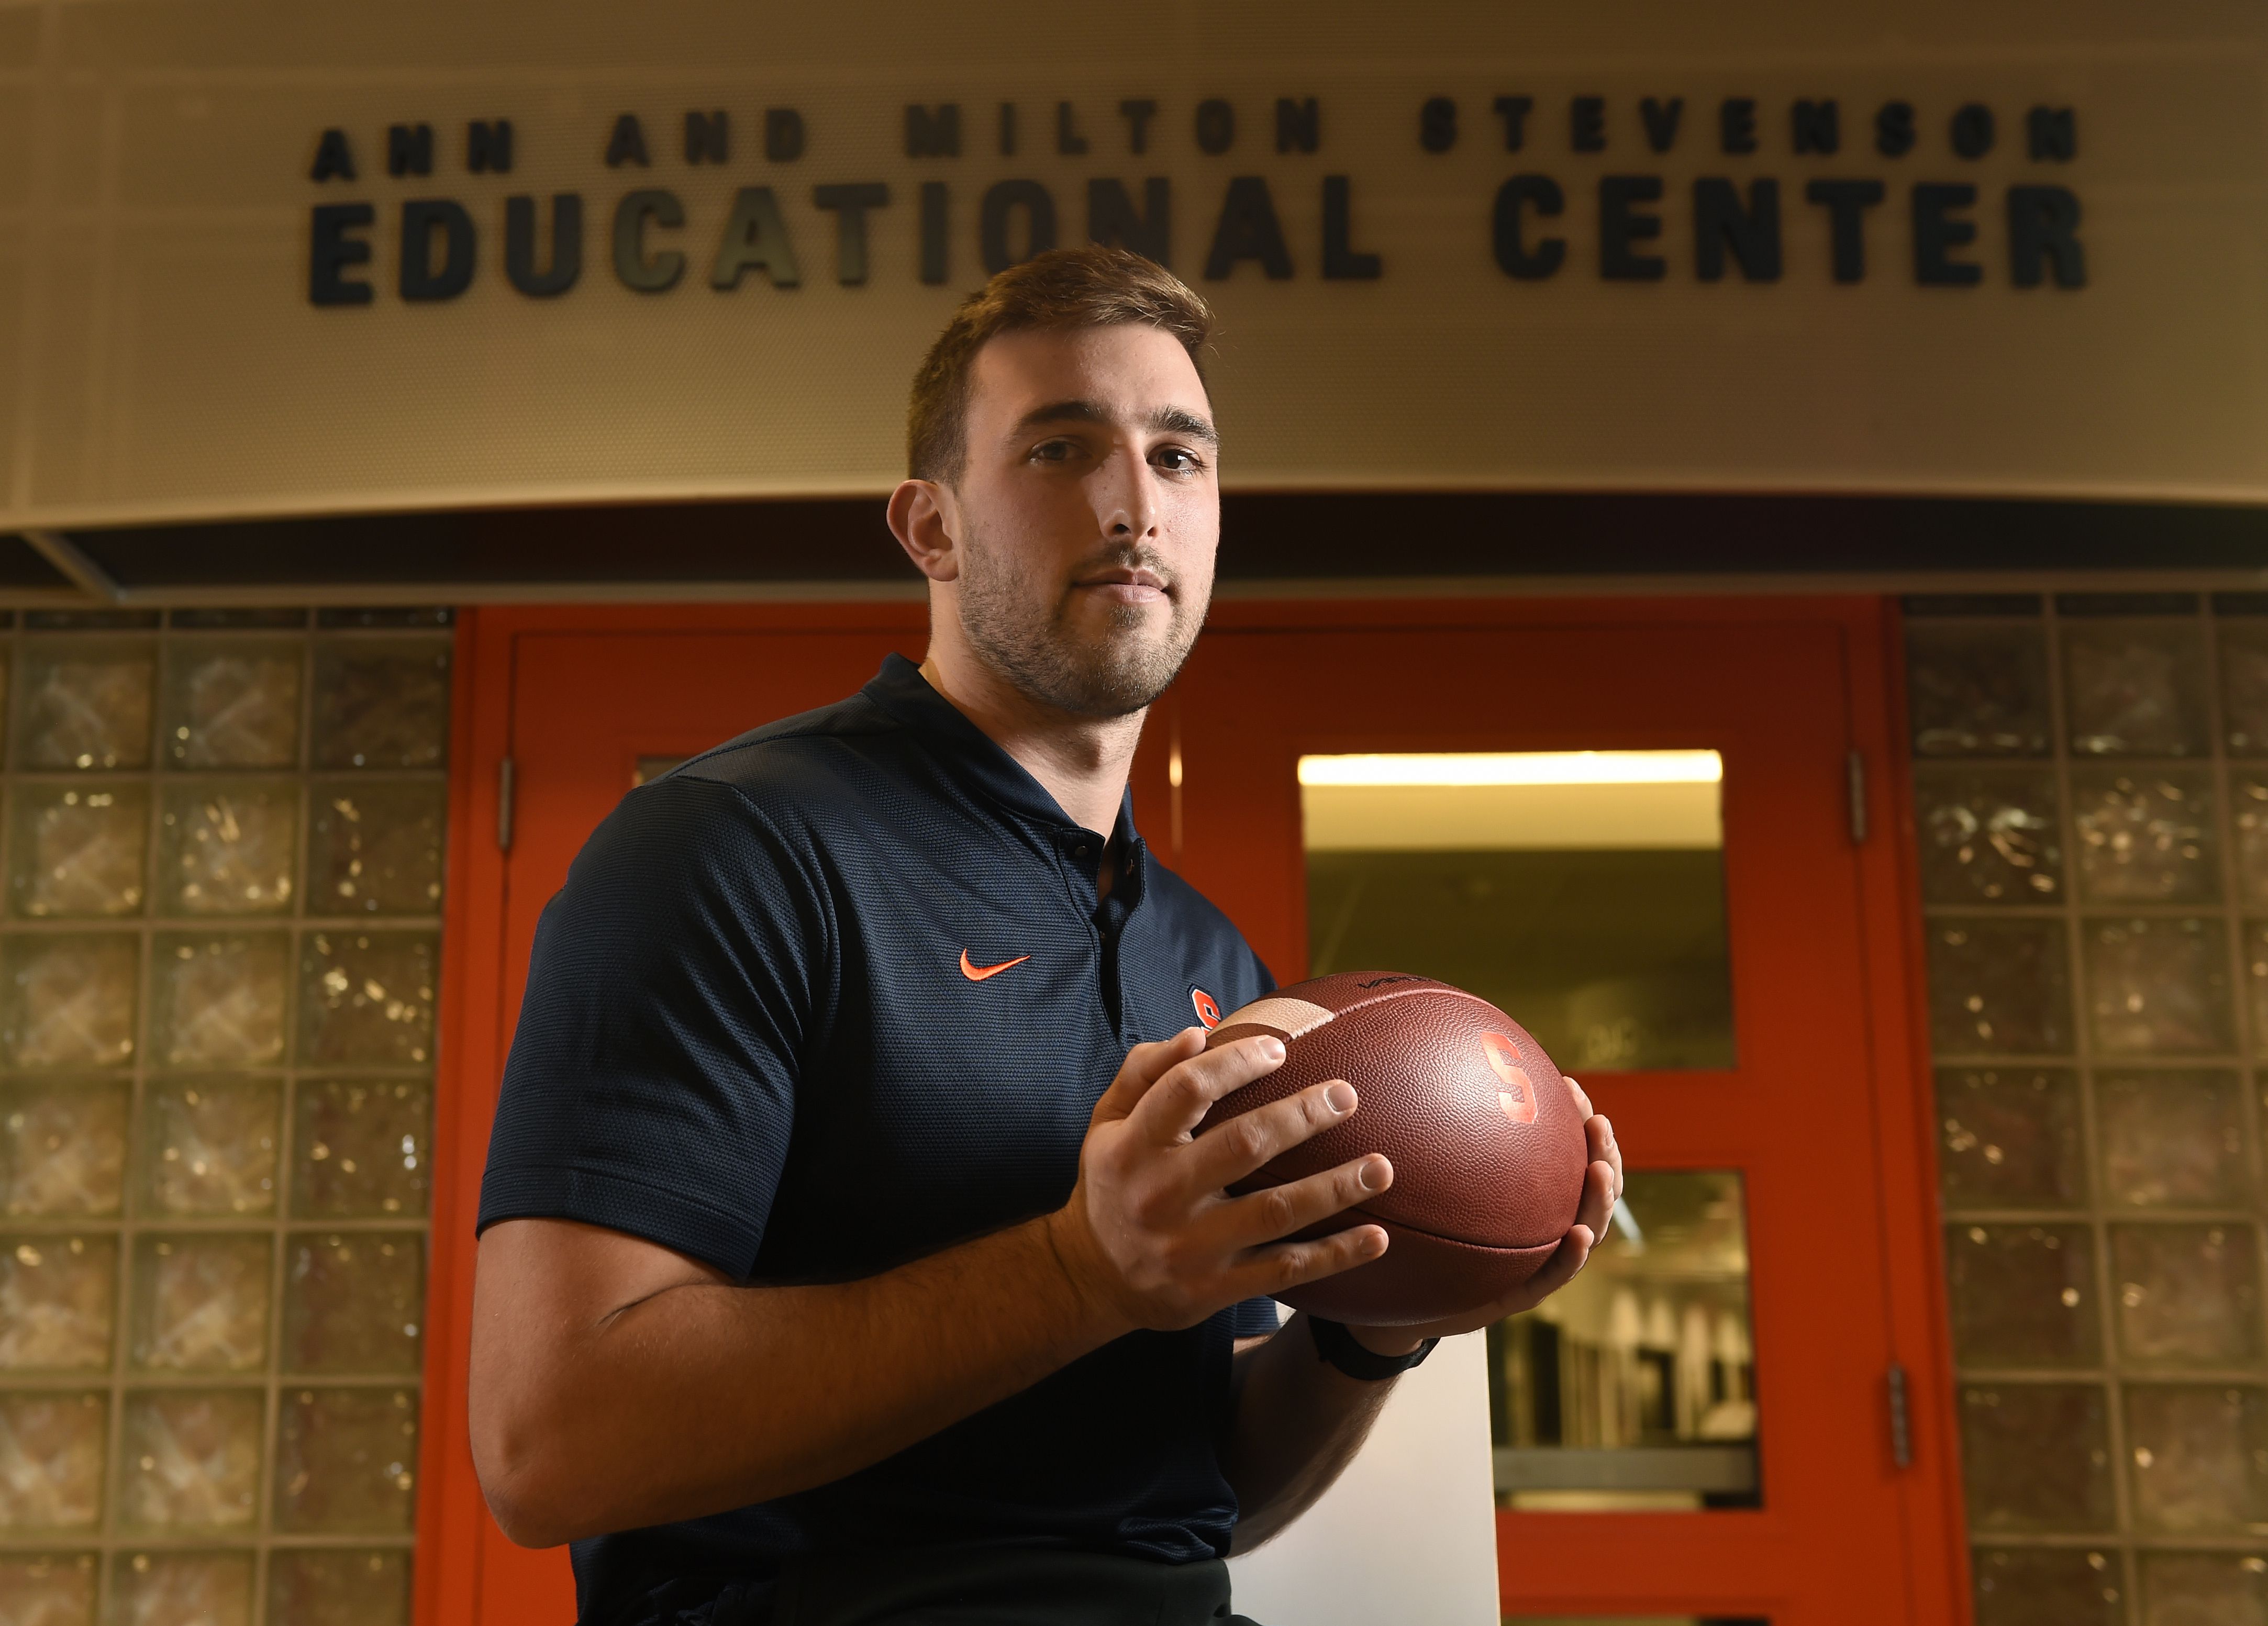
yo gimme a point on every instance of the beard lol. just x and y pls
(1107, 673)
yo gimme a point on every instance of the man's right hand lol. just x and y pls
(1150, 1233)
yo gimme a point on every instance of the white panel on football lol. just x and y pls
(1409, 1532)
(1511, 817)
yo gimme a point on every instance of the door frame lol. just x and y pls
(464, 1569)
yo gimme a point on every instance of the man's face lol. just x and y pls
(1089, 513)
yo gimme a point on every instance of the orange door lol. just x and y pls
(1820, 1115)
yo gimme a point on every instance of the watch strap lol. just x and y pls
(1335, 1344)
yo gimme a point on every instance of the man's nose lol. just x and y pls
(1128, 507)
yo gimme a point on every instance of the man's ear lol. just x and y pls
(926, 521)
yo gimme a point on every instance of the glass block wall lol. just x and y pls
(2091, 774)
(222, 848)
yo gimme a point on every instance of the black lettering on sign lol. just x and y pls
(754, 235)
(2042, 226)
(1341, 260)
(1587, 123)
(1299, 124)
(330, 251)
(627, 144)
(1736, 124)
(1894, 129)
(1111, 218)
(422, 219)
(1138, 112)
(634, 268)
(488, 145)
(1002, 200)
(850, 200)
(1816, 126)
(783, 135)
(1249, 230)
(1752, 234)
(1437, 124)
(1007, 140)
(708, 137)
(1216, 126)
(934, 238)
(1517, 260)
(933, 133)
(1621, 225)
(1069, 142)
(408, 150)
(566, 245)
(2051, 135)
(1936, 234)
(334, 159)
(1846, 204)
(1660, 118)
(1972, 129)
(1514, 110)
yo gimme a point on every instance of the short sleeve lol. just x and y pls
(1255, 1318)
(652, 1082)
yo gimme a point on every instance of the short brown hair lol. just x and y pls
(1064, 290)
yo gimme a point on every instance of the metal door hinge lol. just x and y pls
(1901, 1424)
(503, 804)
(1854, 765)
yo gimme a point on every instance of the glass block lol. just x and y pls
(76, 850)
(361, 1148)
(231, 704)
(381, 703)
(354, 1301)
(2022, 1295)
(2158, 987)
(228, 847)
(57, 1298)
(2135, 688)
(84, 703)
(2008, 1137)
(181, 1589)
(191, 1460)
(2047, 1586)
(201, 1302)
(2244, 685)
(1989, 836)
(48, 1590)
(376, 848)
(308, 1586)
(2037, 1456)
(68, 1000)
(2250, 793)
(2197, 1458)
(50, 1460)
(2145, 838)
(219, 999)
(1998, 987)
(366, 998)
(208, 1147)
(2204, 1589)
(1977, 690)
(347, 1460)
(2172, 1139)
(62, 1148)
(2187, 1295)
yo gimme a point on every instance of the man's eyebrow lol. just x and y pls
(1165, 420)
(1180, 421)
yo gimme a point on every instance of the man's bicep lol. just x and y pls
(554, 1272)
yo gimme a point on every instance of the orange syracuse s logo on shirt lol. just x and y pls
(1208, 1008)
(1518, 1095)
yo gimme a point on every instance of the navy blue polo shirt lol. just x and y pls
(829, 997)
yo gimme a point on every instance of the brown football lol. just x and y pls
(1485, 1137)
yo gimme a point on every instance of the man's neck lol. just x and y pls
(1081, 762)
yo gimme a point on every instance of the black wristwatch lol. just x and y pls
(1338, 1346)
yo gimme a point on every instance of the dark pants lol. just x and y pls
(1008, 1586)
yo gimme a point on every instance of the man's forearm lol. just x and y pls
(706, 1395)
(1299, 1422)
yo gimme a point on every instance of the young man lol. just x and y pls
(847, 1255)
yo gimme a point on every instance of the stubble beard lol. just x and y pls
(1033, 645)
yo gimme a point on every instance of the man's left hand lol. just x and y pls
(1602, 1188)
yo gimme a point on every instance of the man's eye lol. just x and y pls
(1180, 460)
(1052, 450)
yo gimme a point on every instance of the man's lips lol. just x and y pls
(1126, 587)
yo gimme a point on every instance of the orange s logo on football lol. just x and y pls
(1518, 1095)
(1208, 1009)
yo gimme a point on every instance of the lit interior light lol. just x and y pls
(1515, 767)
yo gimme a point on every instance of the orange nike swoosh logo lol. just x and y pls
(978, 974)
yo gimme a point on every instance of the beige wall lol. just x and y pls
(159, 357)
